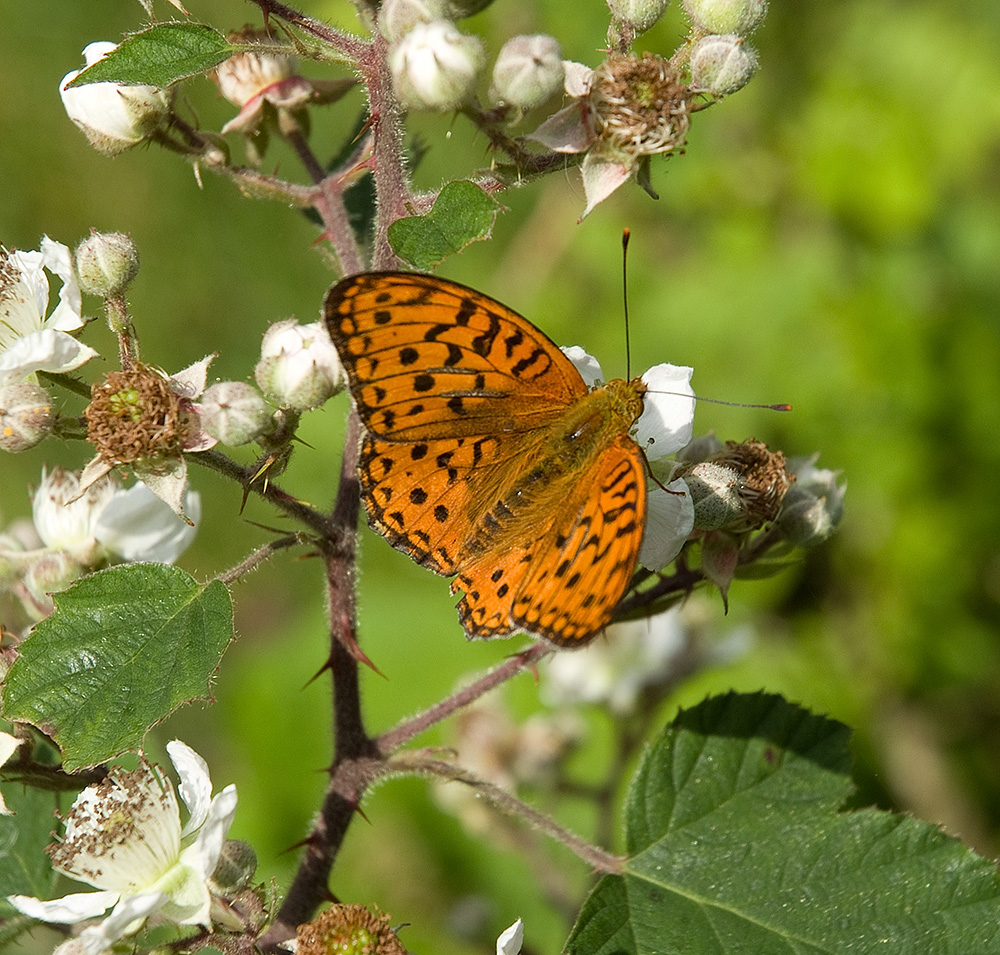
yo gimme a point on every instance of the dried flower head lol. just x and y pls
(348, 930)
(135, 415)
(641, 105)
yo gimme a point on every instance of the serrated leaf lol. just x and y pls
(123, 649)
(737, 846)
(160, 56)
(462, 213)
(24, 867)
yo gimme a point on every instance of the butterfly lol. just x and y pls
(487, 457)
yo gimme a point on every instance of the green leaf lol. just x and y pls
(462, 213)
(160, 56)
(123, 649)
(24, 867)
(738, 846)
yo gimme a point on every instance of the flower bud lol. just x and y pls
(113, 117)
(396, 18)
(434, 67)
(813, 506)
(528, 71)
(106, 263)
(640, 15)
(235, 869)
(25, 415)
(52, 572)
(244, 75)
(299, 367)
(721, 65)
(234, 413)
(715, 494)
(725, 16)
(66, 519)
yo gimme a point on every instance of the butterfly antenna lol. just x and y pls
(626, 234)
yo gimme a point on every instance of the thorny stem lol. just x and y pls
(252, 561)
(410, 728)
(416, 762)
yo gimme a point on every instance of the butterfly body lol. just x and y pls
(486, 456)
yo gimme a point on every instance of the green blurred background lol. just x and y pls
(831, 238)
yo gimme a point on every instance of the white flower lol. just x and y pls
(636, 654)
(8, 744)
(663, 429)
(299, 368)
(105, 520)
(30, 341)
(509, 942)
(114, 117)
(124, 837)
(435, 66)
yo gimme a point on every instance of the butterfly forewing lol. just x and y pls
(428, 358)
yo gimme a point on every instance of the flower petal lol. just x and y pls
(190, 382)
(668, 410)
(136, 525)
(509, 942)
(67, 315)
(168, 483)
(195, 783)
(125, 918)
(203, 855)
(669, 520)
(44, 350)
(578, 78)
(601, 177)
(568, 131)
(588, 366)
(70, 908)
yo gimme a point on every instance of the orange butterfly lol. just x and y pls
(487, 457)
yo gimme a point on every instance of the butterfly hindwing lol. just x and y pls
(564, 584)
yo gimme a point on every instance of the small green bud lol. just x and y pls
(640, 15)
(235, 869)
(715, 494)
(234, 413)
(25, 415)
(106, 263)
(528, 70)
(726, 16)
(721, 65)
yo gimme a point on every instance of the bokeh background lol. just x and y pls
(831, 238)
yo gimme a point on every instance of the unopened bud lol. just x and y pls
(459, 9)
(52, 572)
(640, 15)
(396, 18)
(715, 494)
(235, 869)
(528, 70)
(234, 413)
(813, 506)
(434, 66)
(114, 117)
(721, 65)
(25, 415)
(299, 368)
(106, 263)
(726, 16)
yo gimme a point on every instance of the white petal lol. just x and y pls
(668, 411)
(195, 783)
(70, 908)
(669, 520)
(588, 366)
(67, 315)
(25, 312)
(578, 78)
(45, 350)
(567, 131)
(203, 855)
(509, 942)
(601, 177)
(137, 525)
(8, 744)
(190, 382)
(126, 917)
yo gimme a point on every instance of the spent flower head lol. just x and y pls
(31, 338)
(114, 117)
(124, 837)
(348, 930)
